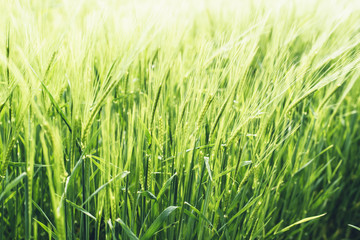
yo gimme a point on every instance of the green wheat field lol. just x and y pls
(135, 119)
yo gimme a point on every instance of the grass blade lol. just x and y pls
(127, 230)
(160, 220)
(355, 227)
(11, 185)
(300, 222)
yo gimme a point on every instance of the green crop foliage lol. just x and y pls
(179, 119)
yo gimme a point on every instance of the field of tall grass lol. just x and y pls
(179, 119)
